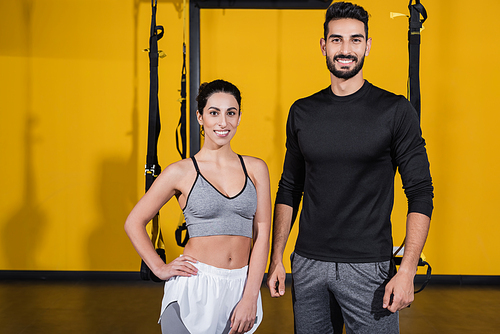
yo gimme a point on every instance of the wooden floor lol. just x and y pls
(39, 307)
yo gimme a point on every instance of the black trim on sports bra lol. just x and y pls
(243, 165)
(195, 164)
(210, 183)
(239, 156)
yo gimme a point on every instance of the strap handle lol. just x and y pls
(396, 261)
(423, 263)
(178, 235)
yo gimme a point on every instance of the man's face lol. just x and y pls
(345, 47)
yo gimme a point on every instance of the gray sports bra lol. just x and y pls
(209, 212)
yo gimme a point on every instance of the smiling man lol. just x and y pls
(344, 145)
(345, 47)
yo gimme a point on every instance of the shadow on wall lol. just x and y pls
(108, 245)
(22, 231)
(117, 190)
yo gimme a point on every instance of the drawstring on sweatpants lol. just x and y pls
(337, 273)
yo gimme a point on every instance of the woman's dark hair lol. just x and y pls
(207, 89)
(345, 10)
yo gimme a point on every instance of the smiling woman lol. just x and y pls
(222, 103)
(225, 198)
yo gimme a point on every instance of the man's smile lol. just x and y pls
(345, 59)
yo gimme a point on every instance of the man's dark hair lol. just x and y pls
(345, 10)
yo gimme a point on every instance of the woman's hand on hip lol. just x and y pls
(181, 266)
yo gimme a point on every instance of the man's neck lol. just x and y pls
(343, 87)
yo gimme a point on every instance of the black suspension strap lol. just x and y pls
(422, 262)
(418, 15)
(415, 25)
(181, 233)
(181, 127)
(153, 168)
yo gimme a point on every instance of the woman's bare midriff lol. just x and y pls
(221, 251)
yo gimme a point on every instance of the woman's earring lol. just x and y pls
(202, 131)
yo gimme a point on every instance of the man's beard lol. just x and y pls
(344, 74)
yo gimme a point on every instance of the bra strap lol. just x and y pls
(195, 164)
(243, 165)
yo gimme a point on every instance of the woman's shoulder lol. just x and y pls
(256, 166)
(254, 161)
(179, 169)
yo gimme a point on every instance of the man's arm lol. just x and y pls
(413, 164)
(284, 216)
(399, 292)
(288, 197)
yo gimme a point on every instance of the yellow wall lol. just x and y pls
(73, 119)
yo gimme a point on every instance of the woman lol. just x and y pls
(214, 287)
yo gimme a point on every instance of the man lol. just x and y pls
(344, 145)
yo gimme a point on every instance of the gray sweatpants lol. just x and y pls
(328, 294)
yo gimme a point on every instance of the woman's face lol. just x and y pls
(220, 118)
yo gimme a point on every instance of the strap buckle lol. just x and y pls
(151, 170)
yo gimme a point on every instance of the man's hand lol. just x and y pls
(276, 279)
(399, 292)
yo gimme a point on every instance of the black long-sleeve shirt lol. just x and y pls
(342, 155)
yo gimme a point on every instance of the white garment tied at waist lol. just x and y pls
(207, 299)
